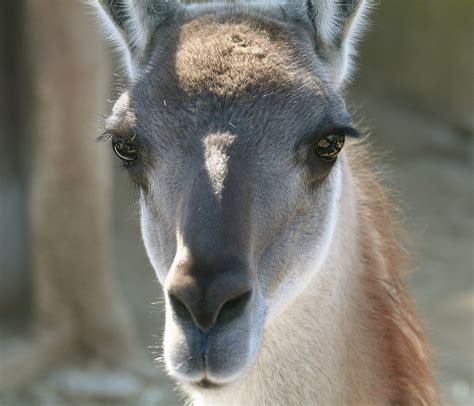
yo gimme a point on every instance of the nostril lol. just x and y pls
(179, 308)
(233, 308)
(205, 313)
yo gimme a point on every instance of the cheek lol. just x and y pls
(158, 244)
(299, 253)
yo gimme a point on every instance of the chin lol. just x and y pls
(211, 361)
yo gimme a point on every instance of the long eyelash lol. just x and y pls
(105, 136)
(347, 131)
(352, 132)
(108, 134)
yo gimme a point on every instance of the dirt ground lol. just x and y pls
(430, 163)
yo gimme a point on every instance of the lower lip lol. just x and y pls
(206, 384)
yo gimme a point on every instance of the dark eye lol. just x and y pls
(329, 147)
(124, 148)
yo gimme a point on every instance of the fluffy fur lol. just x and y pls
(129, 25)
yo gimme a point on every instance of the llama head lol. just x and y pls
(232, 128)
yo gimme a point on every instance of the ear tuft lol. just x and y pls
(338, 25)
(129, 24)
(355, 15)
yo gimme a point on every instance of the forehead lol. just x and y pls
(217, 73)
(235, 55)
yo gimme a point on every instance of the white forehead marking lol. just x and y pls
(215, 160)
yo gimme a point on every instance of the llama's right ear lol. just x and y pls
(337, 25)
(130, 24)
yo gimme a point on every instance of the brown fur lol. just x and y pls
(232, 55)
(405, 352)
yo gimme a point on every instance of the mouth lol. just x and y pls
(213, 360)
(207, 384)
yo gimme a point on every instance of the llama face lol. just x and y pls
(232, 130)
(238, 205)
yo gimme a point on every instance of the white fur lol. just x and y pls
(293, 287)
(155, 255)
(131, 39)
(140, 25)
(216, 160)
(114, 36)
(354, 32)
(326, 19)
(329, 25)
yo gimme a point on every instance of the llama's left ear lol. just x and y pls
(337, 25)
(130, 24)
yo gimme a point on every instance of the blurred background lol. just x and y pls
(80, 310)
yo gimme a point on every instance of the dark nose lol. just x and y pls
(209, 292)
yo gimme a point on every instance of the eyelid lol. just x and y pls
(319, 135)
(105, 136)
(345, 130)
(111, 134)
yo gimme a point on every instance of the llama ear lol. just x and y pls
(337, 25)
(130, 25)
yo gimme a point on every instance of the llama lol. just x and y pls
(272, 240)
